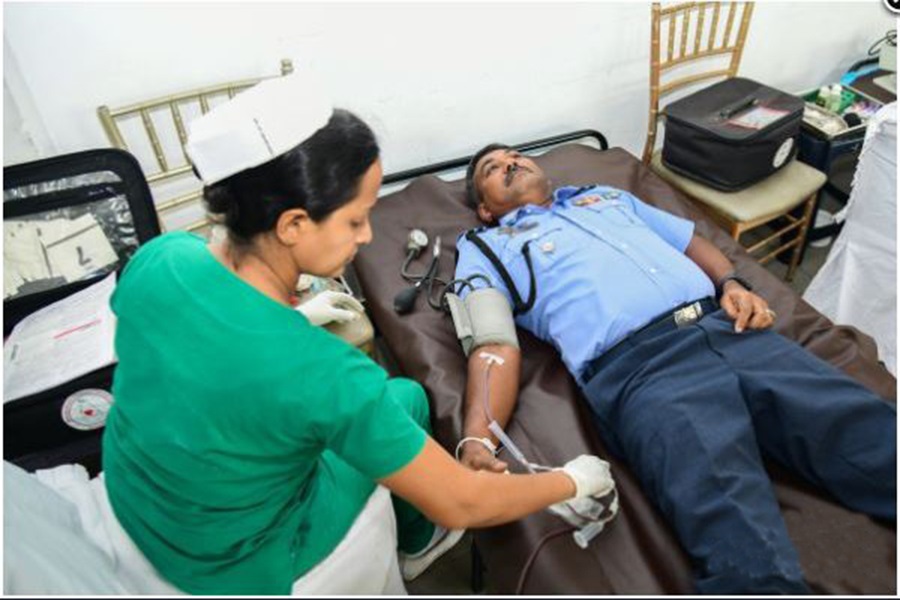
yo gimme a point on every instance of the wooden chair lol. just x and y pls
(154, 131)
(719, 30)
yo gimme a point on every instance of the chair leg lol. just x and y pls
(801, 238)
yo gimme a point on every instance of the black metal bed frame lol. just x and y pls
(456, 163)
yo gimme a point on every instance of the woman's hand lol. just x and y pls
(329, 306)
(746, 308)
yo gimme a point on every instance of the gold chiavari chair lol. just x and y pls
(154, 131)
(693, 43)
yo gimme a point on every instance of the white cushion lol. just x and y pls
(773, 196)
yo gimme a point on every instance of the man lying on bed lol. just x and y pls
(689, 395)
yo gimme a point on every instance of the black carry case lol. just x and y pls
(107, 184)
(732, 134)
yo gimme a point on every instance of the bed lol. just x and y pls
(841, 552)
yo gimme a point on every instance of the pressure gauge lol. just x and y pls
(417, 240)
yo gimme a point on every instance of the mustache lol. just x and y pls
(513, 170)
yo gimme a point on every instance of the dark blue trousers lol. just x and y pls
(694, 410)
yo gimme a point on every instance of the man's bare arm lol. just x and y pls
(746, 308)
(709, 258)
(504, 390)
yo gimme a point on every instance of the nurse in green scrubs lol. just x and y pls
(245, 441)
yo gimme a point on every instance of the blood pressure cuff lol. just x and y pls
(484, 317)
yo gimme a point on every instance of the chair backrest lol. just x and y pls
(691, 43)
(154, 131)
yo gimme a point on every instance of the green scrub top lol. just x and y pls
(243, 440)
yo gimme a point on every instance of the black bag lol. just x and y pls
(108, 188)
(732, 134)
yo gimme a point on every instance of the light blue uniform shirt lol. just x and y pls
(605, 263)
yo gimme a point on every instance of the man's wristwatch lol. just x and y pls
(720, 285)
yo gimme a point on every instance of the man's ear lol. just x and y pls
(484, 214)
(292, 225)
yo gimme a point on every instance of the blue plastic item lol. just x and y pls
(851, 76)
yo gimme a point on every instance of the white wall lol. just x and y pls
(434, 80)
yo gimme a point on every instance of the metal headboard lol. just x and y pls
(457, 163)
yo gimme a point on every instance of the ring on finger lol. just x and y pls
(771, 313)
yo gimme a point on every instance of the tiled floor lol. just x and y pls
(451, 575)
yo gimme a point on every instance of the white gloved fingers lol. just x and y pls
(560, 509)
(589, 508)
(323, 308)
(591, 475)
(353, 303)
(342, 299)
(343, 316)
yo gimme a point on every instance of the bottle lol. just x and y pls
(835, 98)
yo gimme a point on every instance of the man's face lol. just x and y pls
(507, 180)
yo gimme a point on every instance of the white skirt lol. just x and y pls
(365, 561)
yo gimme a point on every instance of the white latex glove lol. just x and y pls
(588, 509)
(329, 306)
(591, 475)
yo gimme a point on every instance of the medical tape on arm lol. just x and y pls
(483, 318)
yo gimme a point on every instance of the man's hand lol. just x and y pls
(478, 458)
(746, 308)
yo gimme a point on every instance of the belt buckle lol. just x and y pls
(688, 315)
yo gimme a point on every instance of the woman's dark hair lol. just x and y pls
(473, 196)
(319, 175)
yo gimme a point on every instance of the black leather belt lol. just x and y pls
(684, 315)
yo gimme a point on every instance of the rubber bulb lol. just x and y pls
(406, 300)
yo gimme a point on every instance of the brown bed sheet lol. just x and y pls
(841, 552)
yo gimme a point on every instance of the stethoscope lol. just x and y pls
(405, 301)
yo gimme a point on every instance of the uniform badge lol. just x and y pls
(612, 195)
(526, 226)
(587, 200)
(548, 247)
(510, 231)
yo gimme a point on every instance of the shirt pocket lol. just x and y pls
(547, 247)
(615, 213)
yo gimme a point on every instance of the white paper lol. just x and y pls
(76, 248)
(23, 256)
(60, 342)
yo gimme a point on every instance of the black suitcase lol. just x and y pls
(108, 185)
(732, 134)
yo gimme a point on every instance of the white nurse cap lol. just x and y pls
(257, 125)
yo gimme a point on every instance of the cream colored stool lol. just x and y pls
(776, 196)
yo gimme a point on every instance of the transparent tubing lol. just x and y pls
(582, 535)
